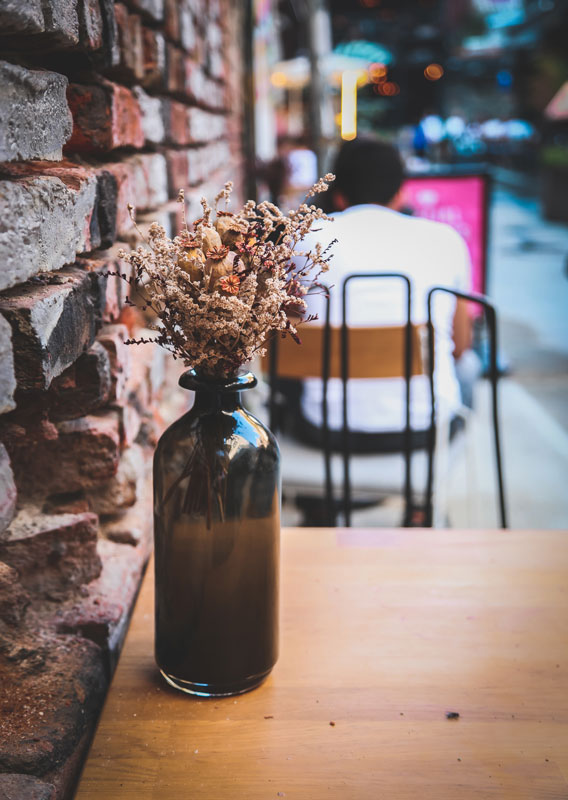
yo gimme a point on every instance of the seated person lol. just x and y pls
(372, 236)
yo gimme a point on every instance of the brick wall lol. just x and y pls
(101, 104)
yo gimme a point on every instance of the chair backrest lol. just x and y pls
(352, 352)
(377, 352)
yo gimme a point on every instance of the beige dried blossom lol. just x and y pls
(221, 291)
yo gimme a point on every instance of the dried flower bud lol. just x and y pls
(230, 229)
(192, 261)
(210, 239)
(217, 253)
(216, 268)
(230, 284)
(181, 196)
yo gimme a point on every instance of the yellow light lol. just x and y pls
(433, 72)
(279, 80)
(349, 105)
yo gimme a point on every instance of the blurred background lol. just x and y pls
(475, 95)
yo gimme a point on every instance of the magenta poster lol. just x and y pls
(459, 202)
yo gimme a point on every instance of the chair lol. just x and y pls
(393, 351)
(360, 352)
(491, 321)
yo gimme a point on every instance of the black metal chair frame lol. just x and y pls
(491, 320)
(347, 503)
(407, 447)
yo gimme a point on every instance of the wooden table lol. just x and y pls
(383, 633)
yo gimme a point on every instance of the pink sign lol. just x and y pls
(459, 202)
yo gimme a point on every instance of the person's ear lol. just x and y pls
(340, 202)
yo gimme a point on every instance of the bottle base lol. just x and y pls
(215, 690)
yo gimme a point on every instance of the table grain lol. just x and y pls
(383, 632)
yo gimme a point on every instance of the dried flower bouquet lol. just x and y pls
(220, 288)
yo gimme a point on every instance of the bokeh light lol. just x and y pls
(377, 73)
(433, 72)
(387, 89)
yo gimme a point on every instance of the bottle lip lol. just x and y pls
(236, 383)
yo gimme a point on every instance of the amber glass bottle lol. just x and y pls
(217, 531)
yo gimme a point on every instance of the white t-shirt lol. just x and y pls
(372, 238)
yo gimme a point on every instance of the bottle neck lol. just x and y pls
(210, 401)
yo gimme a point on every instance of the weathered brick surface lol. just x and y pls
(114, 289)
(154, 51)
(131, 65)
(153, 9)
(25, 787)
(103, 221)
(40, 121)
(150, 180)
(44, 222)
(122, 491)
(52, 322)
(8, 492)
(7, 375)
(83, 387)
(21, 18)
(105, 117)
(187, 28)
(91, 24)
(85, 451)
(152, 116)
(46, 709)
(53, 555)
(204, 127)
(112, 338)
(61, 22)
(14, 600)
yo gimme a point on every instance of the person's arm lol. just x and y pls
(462, 328)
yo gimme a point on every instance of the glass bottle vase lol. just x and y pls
(217, 535)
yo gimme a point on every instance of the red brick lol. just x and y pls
(54, 554)
(103, 616)
(14, 600)
(104, 117)
(177, 129)
(22, 18)
(154, 51)
(90, 24)
(52, 322)
(83, 387)
(123, 490)
(131, 44)
(152, 116)
(122, 173)
(7, 375)
(152, 9)
(8, 492)
(112, 338)
(175, 69)
(115, 288)
(34, 102)
(187, 28)
(204, 126)
(72, 455)
(171, 26)
(66, 684)
(46, 212)
(178, 170)
(26, 787)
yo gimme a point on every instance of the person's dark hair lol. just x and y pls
(368, 171)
